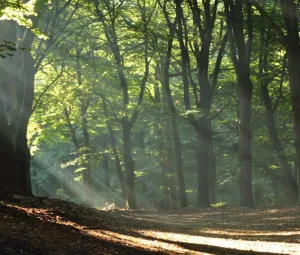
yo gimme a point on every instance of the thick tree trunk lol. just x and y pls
(240, 54)
(289, 11)
(17, 84)
(204, 136)
(129, 166)
(245, 137)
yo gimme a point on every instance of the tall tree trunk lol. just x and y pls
(166, 202)
(106, 177)
(203, 148)
(212, 176)
(85, 150)
(170, 168)
(206, 163)
(113, 142)
(129, 165)
(289, 12)
(86, 154)
(118, 166)
(291, 184)
(165, 81)
(17, 86)
(167, 95)
(206, 168)
(178, 164)
(240, 54)
(245, 137)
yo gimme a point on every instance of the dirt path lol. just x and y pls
(44, 226)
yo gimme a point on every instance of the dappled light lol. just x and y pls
(156, 237)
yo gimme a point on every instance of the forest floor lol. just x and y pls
(31, 225)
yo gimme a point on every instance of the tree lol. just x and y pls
(15, 106)
(126, 122)
(241, 53)
(289, 13)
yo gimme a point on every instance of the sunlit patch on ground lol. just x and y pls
(241, 245)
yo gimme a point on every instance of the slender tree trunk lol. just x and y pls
(167, 168)
(174, 128)
(113, 142)
(167, 95)
(170, 166)
(86, 153)
(106, 178)
(118, 166)
(178, 164)
(129, 166)
(212, 176)
(291, 183)
(164, 172)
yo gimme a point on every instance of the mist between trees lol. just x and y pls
(151, 103)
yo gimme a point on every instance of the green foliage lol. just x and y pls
(80, 62)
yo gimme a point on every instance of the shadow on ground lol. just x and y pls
(43, 226)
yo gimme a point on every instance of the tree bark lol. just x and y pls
(167, 95)
(85, 152)
(205, 178)
(118, 166)
(106, 176)
(240, 54)
(113, 142)
(291, 183)
(129, 165)
(17, 87)
(245, 138)
(289, 12)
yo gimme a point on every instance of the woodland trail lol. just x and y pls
(32, 225)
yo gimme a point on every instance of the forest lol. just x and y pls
(151, 104)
